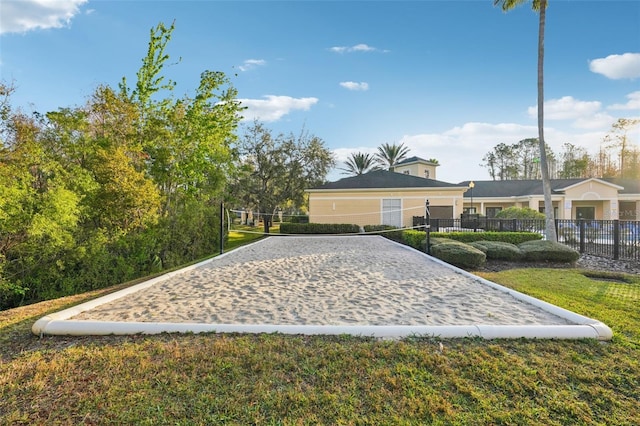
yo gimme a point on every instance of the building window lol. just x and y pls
(426, 174)
(406, 172)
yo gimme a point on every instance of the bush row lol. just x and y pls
(318, 228)
(507, 237)
(471, 249)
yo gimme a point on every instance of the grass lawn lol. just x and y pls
(291, 380)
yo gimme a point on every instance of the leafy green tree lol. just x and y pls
(125, 185)
(359, 163)
(186, 146)
(541, 7)
(39, 211)
(389, 155)
(277, 170)
(524, 213)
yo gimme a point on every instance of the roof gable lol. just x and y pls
(519, 188)
(382, 179)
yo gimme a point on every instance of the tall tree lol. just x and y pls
(502, 162)
(541, 7)
(278, 169)
(618, 139)
(359, 163)
(389, 155)
(575, 162)
(186, 145)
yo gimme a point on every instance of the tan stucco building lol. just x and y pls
(389, 198)
(394, 198)
(586, 198)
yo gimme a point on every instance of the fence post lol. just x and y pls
(427, 227)
(582, 229)
(616, 239)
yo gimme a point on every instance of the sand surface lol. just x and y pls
(354, 280)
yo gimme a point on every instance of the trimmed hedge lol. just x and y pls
(548, 251)
(459, 254)
(507, 237)
(498, 250)
(318, 228)
(387, 231)
(415, 239)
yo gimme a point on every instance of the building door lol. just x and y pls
(588, 213)
(392, 212)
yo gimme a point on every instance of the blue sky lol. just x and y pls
(450, 79)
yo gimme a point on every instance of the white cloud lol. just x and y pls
(596, 121)
(355, 48)
(352, 85)
(460, 149)
(566, 108)
(632, 104)
(27, 15)
(273, 108)
(617, 67)
(250, 64)
(342, 154)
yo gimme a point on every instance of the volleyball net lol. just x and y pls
(284, 223)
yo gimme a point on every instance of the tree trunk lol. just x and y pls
(550, 229)
(266, 221)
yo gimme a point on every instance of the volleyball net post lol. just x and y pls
(427, 227)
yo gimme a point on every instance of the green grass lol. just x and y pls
(290, 380)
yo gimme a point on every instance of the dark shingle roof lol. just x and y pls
(413, 159)
(631, 186)
(517, 188)
(385, 180)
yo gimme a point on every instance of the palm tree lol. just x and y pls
(391, 154)
(541, 7)
(359, 163)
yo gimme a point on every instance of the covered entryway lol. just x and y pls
(587, 213)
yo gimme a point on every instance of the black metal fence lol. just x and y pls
(614, 239)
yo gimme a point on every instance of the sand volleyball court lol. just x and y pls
(364, 285)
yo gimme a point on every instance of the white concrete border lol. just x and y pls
(59, 323)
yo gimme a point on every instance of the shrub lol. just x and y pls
(318, 228)
(520, 213)
(498, 250)
(459, 254)
(390, 232)
(507, 237)
(548, 251)
(415, 239)
(11, 294)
